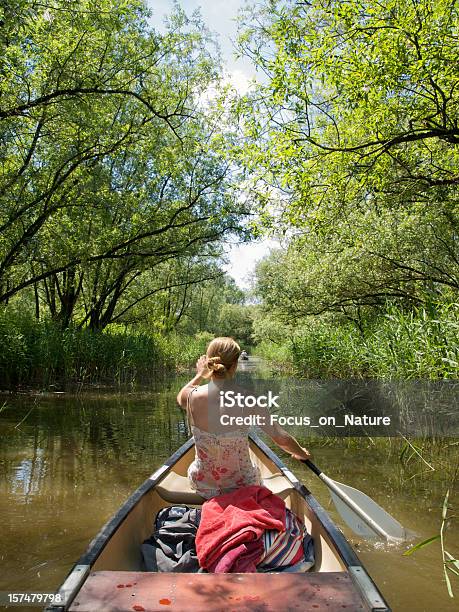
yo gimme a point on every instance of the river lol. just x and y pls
(67, 462)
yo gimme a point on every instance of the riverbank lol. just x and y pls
(396, 345)
(42, 355)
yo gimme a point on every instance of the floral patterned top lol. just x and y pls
(222, 462)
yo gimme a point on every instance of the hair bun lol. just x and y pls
(215, 364)
(222, 355)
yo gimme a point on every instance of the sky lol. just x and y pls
(219, 16)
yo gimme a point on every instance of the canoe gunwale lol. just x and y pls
(98, 544)
(355, 567)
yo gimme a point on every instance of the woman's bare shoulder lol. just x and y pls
(199, 394)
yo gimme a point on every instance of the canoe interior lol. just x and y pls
(122, 551)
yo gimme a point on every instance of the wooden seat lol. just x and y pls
(117, 591)
(278, 484)
(176, 489)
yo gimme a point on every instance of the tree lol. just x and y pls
(361, 99)
(207, 304)
(164, 297)
(236, 321)
(111, 165)
(352, 140)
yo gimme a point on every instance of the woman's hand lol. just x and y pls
(202, 371)
(201, 367)
(304, 455)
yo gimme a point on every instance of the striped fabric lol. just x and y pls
(283, 548)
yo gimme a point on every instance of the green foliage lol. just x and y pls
(272, 337)
(217, 307)
(235, 320)
(112, 181)
(181, 350)
(278, 355)
(367, 259)
(398, 344)
(360, 98)
(43, 354)
(351, 141)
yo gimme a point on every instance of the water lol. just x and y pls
(68, 462)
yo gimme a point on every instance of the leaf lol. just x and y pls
(448, 583)
(421, 545)
(451, 559)
(448, 567)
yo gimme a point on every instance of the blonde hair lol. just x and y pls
(222, 353)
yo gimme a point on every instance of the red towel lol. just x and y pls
(227, 521)
(240, 560)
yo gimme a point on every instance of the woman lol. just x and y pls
(222, 461)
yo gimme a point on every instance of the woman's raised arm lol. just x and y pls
(201, 372)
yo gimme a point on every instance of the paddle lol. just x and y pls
(360, 512)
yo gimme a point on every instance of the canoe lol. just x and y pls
(109, 576)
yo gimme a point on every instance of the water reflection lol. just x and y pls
(28, 476)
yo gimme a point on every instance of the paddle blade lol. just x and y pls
(370, 508)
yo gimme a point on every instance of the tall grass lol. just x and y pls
(42, 354)
(418, 344)
(279, 355)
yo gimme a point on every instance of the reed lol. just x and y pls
(450, 564)
(414, 460)
(421, 343)
(42, 354)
